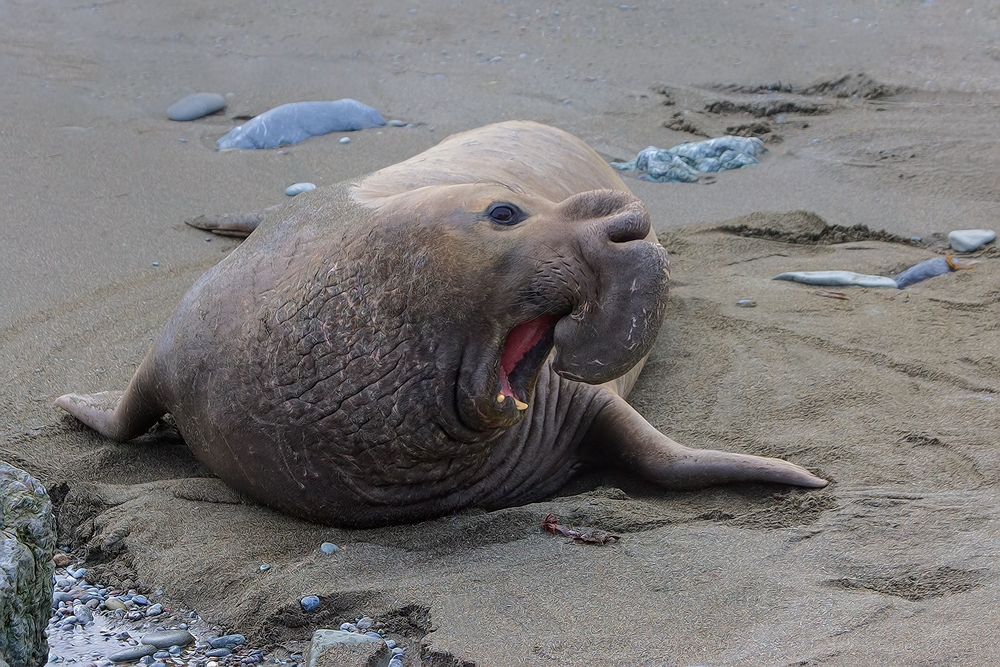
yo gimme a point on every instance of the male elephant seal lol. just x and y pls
(456, 330)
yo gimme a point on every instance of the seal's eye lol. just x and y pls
(503, 213)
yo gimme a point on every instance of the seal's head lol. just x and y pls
(521, 265)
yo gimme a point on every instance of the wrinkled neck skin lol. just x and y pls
(353, 372)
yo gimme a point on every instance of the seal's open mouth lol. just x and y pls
(525, 349)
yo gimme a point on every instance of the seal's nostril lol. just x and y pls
(631, 224)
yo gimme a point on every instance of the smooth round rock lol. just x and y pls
(345, 140)
(227, 641)
(196, 106)
(397, 123)
(114, 604)
(309, 602)
(168, 638)
(154, 610)
(133, 654)
(140, 599)
(967, 240)
(328, 548)
(299, 188)
(218, 653)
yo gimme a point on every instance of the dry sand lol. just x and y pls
(893, 395)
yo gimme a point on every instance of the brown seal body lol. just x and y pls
(456, 330)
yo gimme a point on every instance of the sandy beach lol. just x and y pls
(881, 124)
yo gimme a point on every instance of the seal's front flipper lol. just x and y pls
(231, 225)
(621, 432)
(117, 415)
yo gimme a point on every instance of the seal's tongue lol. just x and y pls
(521, 340)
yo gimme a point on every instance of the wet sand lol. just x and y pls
(890, 394)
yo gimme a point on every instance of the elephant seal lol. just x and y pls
(457, 330)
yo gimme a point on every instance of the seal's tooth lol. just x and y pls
(500, 398)
(519, 405)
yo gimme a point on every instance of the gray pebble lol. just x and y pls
(218, 653)
(140, 599)
(348, 627)
(132, 654)
(265, 567)
(373, 634)
(365, 623)
(147, 660)
(160, 655)
(967, 240)
(196, 106)
(328, 548)
(227, 641)
(156, 263)
(83, 615)
(175, 650)
(168, 638)
(398, 651)
(746, 303)
(390, 643)
(345, 140)
(397, 123)
(309, 602)
(154, 610)
(299, 188)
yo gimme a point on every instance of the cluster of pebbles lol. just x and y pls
(95, 626)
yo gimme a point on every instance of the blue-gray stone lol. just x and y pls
(154, 610)
(27, 542)
(328, 548)
(196, 106)
(132, 654)
(309, 602)
(140, 599)
(295, 122)
(82, 614)
(227, 641)
(160, 655)
(922, 271)
(218, 653)
(967, 240)
(299, 188)
(168, 638)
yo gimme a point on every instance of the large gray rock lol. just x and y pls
(26, 543)
(335, 648)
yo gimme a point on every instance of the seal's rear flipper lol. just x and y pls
(117, 415)
(621, 432)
